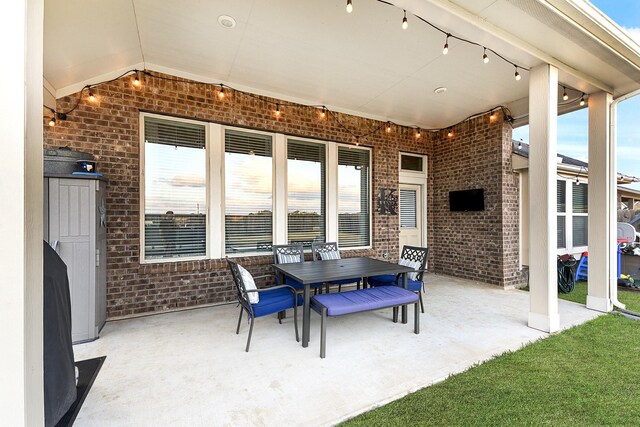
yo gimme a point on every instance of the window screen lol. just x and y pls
(408, 209)
(580, 198)
(175, 176)
(562, 241)
(353, 197)
(561, 196)
(248, 192)
(411, 163)
(306, 197)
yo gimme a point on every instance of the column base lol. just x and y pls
(599, 304)
(544, 322)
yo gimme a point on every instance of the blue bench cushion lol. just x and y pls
(363, 299)
(299, 286)
(390, 280)
(273, 301)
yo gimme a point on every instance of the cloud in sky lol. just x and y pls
(634, 32)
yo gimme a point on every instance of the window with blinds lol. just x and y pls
(408, 202)
(175, 189)
(354, 171)
(580, 204)
(306, 192)
(562, 240)
(561, 196)
(561, 207)
(248, 192)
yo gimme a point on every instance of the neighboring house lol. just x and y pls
(572, 201)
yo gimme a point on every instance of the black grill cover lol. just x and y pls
(59, 371)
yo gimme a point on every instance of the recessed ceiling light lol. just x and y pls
(227, 21)
(440, 90)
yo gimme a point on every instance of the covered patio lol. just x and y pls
(441, 82)
(189, 367)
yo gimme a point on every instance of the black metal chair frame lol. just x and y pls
(294, 249)
(419, 254)
(245, 305)
(317, 248)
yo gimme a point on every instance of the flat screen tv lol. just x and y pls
(466, 200)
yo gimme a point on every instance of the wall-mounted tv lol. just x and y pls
(466, 200)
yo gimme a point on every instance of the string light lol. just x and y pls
(323, 113)
(92, 96)
(221, 94)
(388, 127)
(445, 50)
(405, 23)
(520, 144)
(349, 6)
(357, 141)
(137, 80)
(517, 74)
(582, 100)
(485, 57)
(278, 110)
(450, 134)
(564, 94)
(418, 134)
(492, 117)
(52, 121)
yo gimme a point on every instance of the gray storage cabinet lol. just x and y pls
(75, 226)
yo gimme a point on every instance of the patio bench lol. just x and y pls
(359, 300)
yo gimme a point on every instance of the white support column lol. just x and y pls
(21, 372)
(543, 118)
(280, 211)
(602, 204)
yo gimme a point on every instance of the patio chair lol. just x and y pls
(412, 256)
(326, 251)
(262, 302)
(285, 254)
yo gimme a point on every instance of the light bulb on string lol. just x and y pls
(92, 96)
(450, 134)
(52, 121)
(323, 113)
(278, 112)
(520, 144)
(492, 116)
(349, 6)
(405, 23)
(137, 80)
(221, 94)
(388, 127)
(485, 57)
(577, 180)
(418, 133)
(582, 100)
(357, 141)
(445, 49)
(564, 94)
(517, 75)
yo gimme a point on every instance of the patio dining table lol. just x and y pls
(337, 269)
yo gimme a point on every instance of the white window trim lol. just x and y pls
(419, 178)
(568, 222)
(142, 190)
(371, 197)
(215, 178)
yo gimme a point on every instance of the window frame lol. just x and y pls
(216, 188)
(569, 214)
(141, 177)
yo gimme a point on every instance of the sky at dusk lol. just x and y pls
(573, 127)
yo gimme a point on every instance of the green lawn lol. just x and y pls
(630, 298)
(586, 376)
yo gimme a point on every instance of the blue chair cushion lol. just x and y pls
(363, 299)
(274, 301)
(299, 286)
(390, 280)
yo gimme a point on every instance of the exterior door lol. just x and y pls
(410, 206)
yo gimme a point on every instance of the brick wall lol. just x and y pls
(477, 245)
(465, 245)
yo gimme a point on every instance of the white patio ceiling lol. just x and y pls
(312, 51)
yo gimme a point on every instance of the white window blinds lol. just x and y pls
(580, 202)
(248, 192)
(353, 197)
(306, 197)
(174, 189)
(408, 209)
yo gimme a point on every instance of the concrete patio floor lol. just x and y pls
(190, 368)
